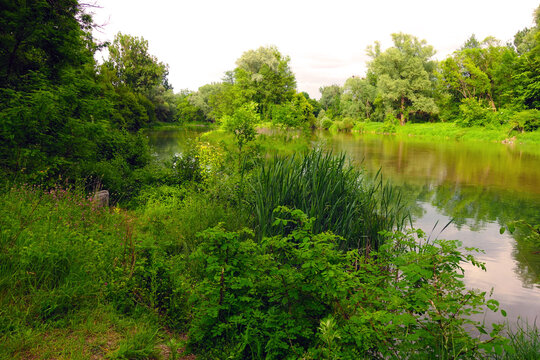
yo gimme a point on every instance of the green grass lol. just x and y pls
(451, 131)
(269, 141)
(524, 342)
(67, 270)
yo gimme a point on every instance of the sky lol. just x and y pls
(326, 40)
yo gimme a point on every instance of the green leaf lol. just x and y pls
(482, 330)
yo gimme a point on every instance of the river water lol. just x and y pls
(479, 187)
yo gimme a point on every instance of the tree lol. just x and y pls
(264, 77)
(405, 75)
(527, 78)
(358, 97)
(482, 73)
(185, 110)
(58, 116)
(242, 125)
(134, 66)
(202, 99)
(331, 100)
(40, 38)
(293, 114)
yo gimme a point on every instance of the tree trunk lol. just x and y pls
(492, 103)
(402, 115)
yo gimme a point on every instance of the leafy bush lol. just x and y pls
(264, 300)
(295, 295)
(472, 113)
(527, 120)
(347, 124)
(326, 123)
(390, 124)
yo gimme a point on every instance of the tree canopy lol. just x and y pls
(405, 75)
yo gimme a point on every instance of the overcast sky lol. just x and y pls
(326, 40)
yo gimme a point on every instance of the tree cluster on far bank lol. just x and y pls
(484, 83)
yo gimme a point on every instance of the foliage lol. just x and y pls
(331, 100)
(39, 39)
(325, 123)
(253, 300)
(326, 188)
(473, 113)
(242, 124)
(390, 123)
(358, 98)
(404, 75)
(526, 120)
(411, 290)
(133, 65)
(264, 77)
(294, 114)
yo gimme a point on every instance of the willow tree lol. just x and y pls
(405, 75)
(265, 77)
(358, 97)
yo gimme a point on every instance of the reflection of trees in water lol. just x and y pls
(166, 143)
(527, 260)
(475, 207)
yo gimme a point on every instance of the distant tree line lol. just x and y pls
(482, 83)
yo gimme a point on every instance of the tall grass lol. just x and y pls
(524, 342)
(329, 189)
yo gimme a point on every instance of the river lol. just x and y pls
(480, 187)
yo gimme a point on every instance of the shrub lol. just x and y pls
(390, 123)
(295, 295)
(472, 113)
(527, 120)
(326, 123)
(347, 124)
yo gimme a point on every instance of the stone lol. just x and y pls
(101, 198)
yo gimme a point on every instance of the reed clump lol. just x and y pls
(328, 188)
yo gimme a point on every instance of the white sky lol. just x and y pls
(326, 40)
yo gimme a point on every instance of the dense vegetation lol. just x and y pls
(226, 251)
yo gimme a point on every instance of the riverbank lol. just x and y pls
(160, 125)
(451, 131)
(78, 269)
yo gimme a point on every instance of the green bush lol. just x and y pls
(326, 123)
(473, 113)
(295, 295)
(390, 124)
(527, 120)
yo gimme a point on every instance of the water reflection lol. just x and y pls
(490, 165)
(480, 187)
(167, 143)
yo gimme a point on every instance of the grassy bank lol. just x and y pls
(210, 265)
(451, 131)
(159, 125)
